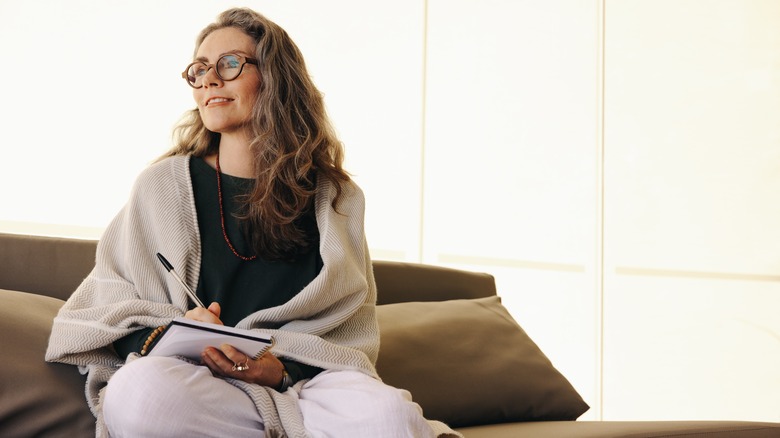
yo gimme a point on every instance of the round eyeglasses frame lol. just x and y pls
(244, 61)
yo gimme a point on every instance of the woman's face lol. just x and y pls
(226, 106)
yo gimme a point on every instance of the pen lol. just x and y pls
(169, 267)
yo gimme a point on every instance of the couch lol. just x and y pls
(473, 366)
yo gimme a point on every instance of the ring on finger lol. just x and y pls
(242, 366)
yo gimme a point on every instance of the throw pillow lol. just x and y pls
(37, 398)
(467, 362)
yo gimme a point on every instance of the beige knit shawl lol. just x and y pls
(330, 324)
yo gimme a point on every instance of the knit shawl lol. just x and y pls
(330, 324)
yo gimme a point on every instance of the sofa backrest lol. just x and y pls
(50, 266)
(55, 266)
(399, 282)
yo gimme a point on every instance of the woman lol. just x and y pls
(252, 207)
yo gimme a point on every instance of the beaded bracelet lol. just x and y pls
(151, 338)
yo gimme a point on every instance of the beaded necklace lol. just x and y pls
(222, 217)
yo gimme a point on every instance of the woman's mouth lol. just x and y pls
(216, 100)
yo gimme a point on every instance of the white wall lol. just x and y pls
(512, 164)
(692, 178)
(614, 163)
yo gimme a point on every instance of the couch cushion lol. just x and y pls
(37, 398)
(626, 429)
(467, 362)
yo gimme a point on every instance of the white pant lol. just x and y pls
(167, 397)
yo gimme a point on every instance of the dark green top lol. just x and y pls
(240, 287)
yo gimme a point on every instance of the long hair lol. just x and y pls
(293, 142)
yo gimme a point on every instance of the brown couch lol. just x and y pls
(471, 365)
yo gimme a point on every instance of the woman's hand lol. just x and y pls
(205, 315)
(227, 361)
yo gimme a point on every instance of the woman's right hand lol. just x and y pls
(206, 315)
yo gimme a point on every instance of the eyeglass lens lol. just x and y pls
(228, 68)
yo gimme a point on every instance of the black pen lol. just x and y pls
(190, 293)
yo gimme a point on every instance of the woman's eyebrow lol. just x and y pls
(231, 52)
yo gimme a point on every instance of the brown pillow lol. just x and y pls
(37, 398)
(467, 362)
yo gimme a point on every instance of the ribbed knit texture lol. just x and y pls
(331, 324)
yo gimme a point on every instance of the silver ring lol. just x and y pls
(242, 366)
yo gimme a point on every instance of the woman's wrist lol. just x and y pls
(286, 381)
(151, 339)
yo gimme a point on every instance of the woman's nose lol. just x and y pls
(211, 79)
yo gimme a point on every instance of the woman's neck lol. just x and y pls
(235, 158)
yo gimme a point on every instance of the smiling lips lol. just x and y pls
(214, 100)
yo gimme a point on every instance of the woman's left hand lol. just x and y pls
(227, 361)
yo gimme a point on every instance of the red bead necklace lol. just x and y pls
(222, 217)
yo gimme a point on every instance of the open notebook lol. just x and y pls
(187, 338)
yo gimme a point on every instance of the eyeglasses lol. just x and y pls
(227, 67)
